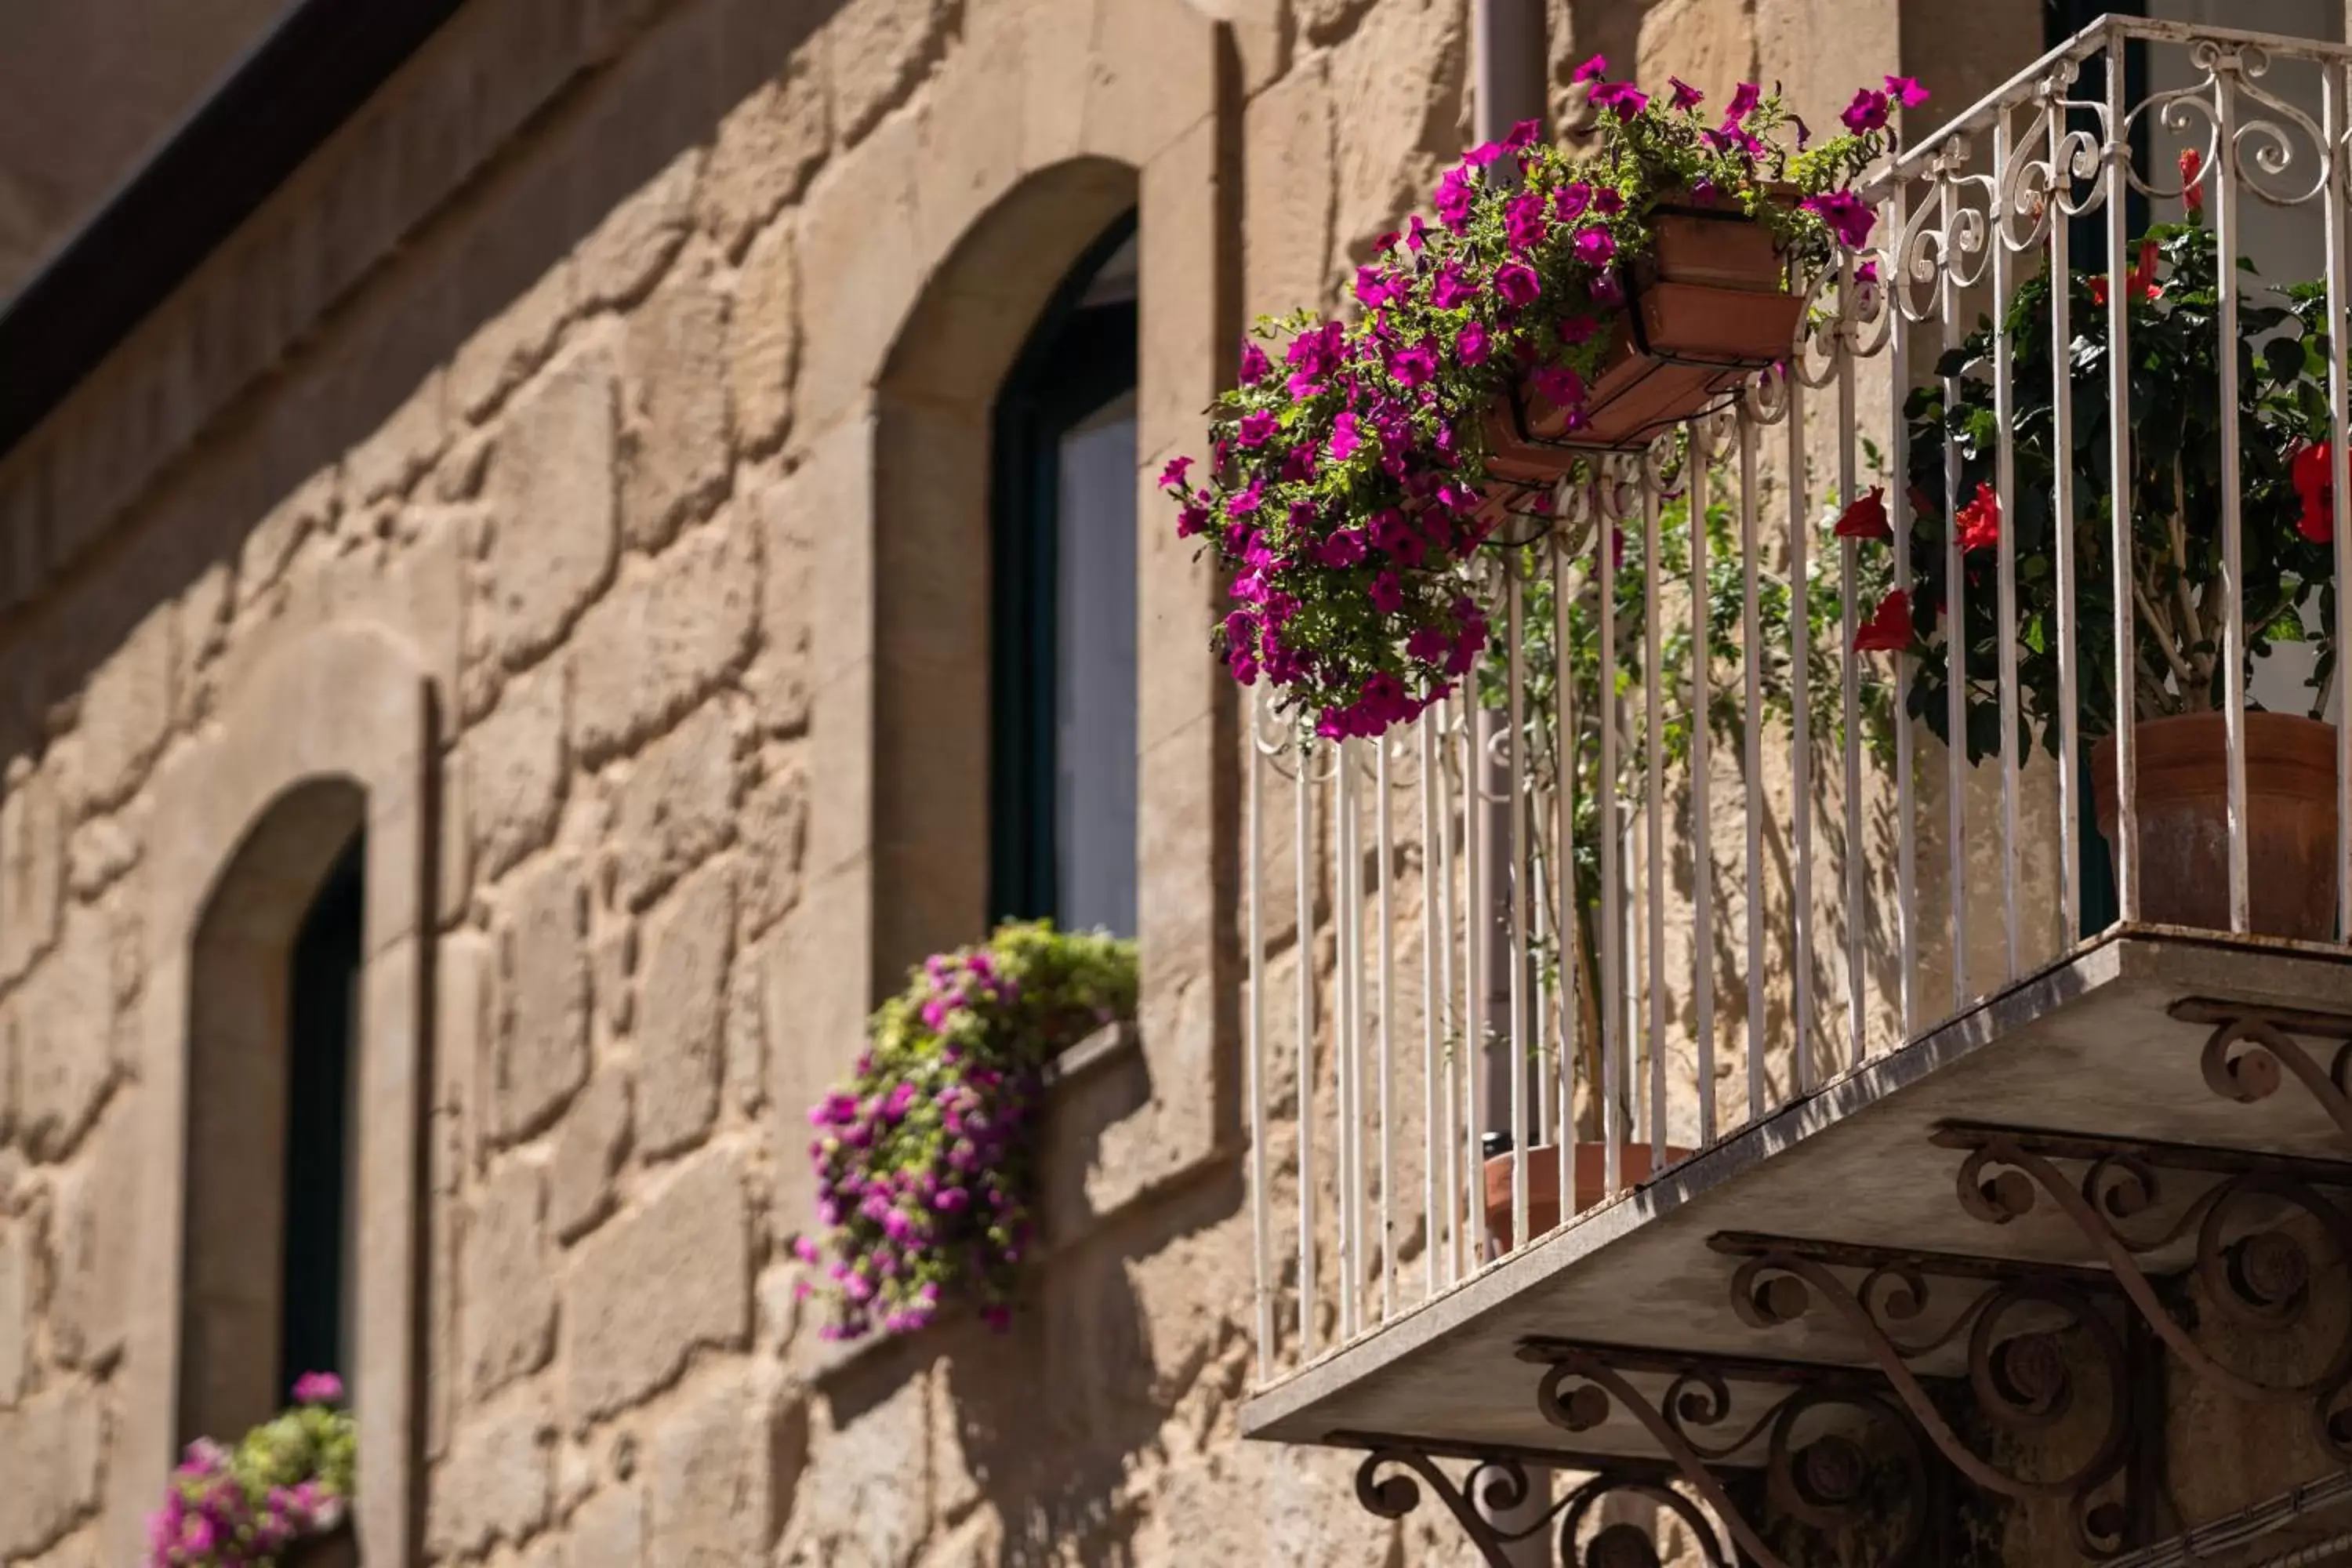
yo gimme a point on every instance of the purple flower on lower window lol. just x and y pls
(1517, 282)
(318, 1388)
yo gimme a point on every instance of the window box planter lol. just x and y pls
(1708, 306)
(337, 1548)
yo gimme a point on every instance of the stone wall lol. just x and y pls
(572, 369)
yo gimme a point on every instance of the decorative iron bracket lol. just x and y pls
(2250, 1263)
(2021, 1331)
(2252, 1049)
(1825, 1482)
(1498, 1481)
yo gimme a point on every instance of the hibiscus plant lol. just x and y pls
(2178, 587)
(926, 1170)
(1346, 483)
(287, 1480)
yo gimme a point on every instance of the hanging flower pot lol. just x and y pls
(1591, 1160)
(1705, 308)
(2183, 795)
(1558, 300)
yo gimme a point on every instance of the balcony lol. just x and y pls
(1923, 1106)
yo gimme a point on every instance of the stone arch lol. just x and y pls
(334, 734)
(922, 265)
(932, 531)
(239, 1043)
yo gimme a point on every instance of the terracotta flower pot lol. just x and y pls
(2184, 822)
(336, 1549)
(1543, 1182)
(1707, 307)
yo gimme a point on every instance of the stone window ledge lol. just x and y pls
(1106, 1046)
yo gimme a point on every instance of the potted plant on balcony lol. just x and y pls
(926, 1174)
(2179, 588)
(1559, 298)
(1595, 794)
(280, 1497)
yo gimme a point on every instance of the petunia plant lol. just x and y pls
(1348, 472)
(288, 1479)
(2179, 602)
(926, 1160)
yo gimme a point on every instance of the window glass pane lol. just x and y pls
(319, 1260)
(1095, 672)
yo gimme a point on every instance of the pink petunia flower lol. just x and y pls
(318, 1388)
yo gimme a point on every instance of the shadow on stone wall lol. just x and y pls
(590, 162)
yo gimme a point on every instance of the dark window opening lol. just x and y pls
(1062, 785)
(322, 1036)
(2087, 246)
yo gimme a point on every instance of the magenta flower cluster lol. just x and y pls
(286, 1480)
(1348, 481)
(925, 1161)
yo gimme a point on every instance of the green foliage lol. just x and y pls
(290, 1478)
(2176, 486)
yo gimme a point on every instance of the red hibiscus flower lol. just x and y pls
(1979, 521)
(1866, 518)
(2139, 283)
(2192, 189)
(1888, 630)
(2309, 471)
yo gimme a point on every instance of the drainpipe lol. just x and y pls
(1508, 74)
(1508, 47)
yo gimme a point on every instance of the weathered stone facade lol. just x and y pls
(583, 456)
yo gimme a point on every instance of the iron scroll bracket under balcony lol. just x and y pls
(1822, 1454)
(2023, 1335)
(1498, 1485)
(2252, 1049)
(2248, 1234)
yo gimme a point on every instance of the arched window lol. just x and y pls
(269, 1255)
(316, 1273)
(1062, 500)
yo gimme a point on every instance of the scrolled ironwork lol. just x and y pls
(1629, 1545)
(1499, 1484)
(2022, 1377)
(2254, 1270)
(1398, 1495)
(2246, 1059)
(1822, 1481)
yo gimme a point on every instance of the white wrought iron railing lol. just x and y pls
(1676, 856)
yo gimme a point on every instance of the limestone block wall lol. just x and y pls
(600, 371)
